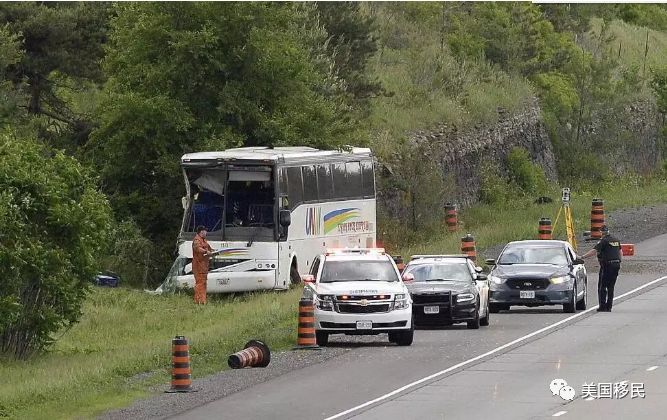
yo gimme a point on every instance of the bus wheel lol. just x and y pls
(294, 276)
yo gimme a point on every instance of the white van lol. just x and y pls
(359, 291)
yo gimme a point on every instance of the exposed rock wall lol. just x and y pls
(628, 139)
(460, 153)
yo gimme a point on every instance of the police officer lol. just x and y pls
(608, 251)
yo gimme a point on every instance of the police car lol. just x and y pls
(358, 291)
(447, 289)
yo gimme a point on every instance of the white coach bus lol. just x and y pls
(271, 211)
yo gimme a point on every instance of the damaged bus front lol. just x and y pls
(235, 200)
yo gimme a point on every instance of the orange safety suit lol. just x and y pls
(200, 266)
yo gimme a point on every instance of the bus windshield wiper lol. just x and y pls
(252, 238)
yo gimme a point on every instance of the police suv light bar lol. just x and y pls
(355, 251)
(418, 257)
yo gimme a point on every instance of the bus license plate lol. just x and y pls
(431, 309)
(364, 325)
(527, 294)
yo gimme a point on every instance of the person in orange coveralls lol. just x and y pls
(200, 258)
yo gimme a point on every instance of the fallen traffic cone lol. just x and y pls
(254, 354)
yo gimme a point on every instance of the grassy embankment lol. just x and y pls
(121, 347)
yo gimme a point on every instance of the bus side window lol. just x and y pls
(368, 180)
(294, 186)
(309, 183)
(282, 181)
(325, 182)
(340, 181)
(353, 170)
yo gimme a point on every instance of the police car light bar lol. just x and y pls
(339, 251)
(417, 257)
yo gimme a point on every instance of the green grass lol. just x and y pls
(122, 347)
(632, 42)
(492, 225)
(426, 86)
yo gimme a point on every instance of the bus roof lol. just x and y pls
(274, 154)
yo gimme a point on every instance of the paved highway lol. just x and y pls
(508, 383)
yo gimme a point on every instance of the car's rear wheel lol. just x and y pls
(322, 338)
(583, 303)
(571, 307)
(484, 322)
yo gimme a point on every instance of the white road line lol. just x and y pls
(652, 368)
(589, 399)
(560, 413)
(488, 353)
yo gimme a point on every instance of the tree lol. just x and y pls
(62, 48)
(350, 44)
(54, 222)
(185, 77)
(10, 55)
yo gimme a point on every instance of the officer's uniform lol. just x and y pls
(609, 255)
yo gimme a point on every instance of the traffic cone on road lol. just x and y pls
(544, 229)
(468, 247)
(181, 373)
(306, 332)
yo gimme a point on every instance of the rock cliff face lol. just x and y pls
(628, 139)
(459, 153)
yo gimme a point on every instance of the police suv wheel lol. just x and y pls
(322, 338)
(404, 338)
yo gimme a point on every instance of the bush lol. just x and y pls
(54, 223)
(494, 188)
(526, 175)
(130, 254)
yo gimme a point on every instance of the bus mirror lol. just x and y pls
(285, 218)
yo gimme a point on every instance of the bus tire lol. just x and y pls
(295, 278)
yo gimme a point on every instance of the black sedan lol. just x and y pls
(447, 290)
(536, 273)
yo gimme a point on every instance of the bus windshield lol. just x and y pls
(231, 204)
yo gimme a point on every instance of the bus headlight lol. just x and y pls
(401, 301)
(324, 302)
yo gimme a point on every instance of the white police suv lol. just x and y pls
(359, 291)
